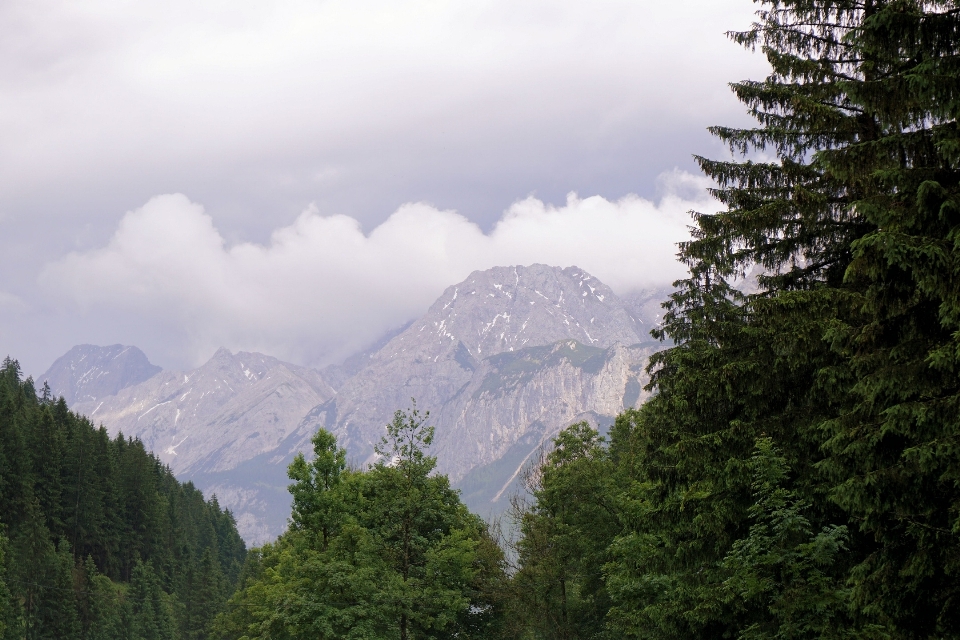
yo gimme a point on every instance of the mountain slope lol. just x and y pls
(506, 353)
(502, 360)
(231, 409)
(88, 372)
(216, 419)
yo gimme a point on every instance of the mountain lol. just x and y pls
(88, 372)
(212, 419)
(503, 360)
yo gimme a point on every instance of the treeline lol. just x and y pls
(796, 473)
(98, 540)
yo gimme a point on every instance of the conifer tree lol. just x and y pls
(111, 616)
(559, 590)
(205, 597)
(74, 528)
(846, 356)
(9, 624)
(151, 617)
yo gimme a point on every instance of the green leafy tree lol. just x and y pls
(317, 505)
(420, 529)
(388, 552)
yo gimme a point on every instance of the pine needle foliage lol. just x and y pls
(846, 199)
(98, 540)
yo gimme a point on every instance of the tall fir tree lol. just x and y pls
(9, 620)
(846, 356)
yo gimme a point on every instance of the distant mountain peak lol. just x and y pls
(88, 372)
(502, 360)
(508, 308)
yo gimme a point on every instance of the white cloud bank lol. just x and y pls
(322, 288)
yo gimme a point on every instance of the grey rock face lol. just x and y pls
(503, 361)
(208, 424)
(519, 400)
(231, 409)
(88, 372)
(508, 308)
(508, 354)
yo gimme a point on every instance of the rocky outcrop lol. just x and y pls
(509, 355)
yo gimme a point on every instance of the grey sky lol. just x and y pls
(270, 118)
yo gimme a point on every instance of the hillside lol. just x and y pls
(97, 537)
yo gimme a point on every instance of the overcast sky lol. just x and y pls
(299, 177)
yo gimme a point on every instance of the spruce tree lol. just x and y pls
(845, 357)
(151, 617)
(75, 527)
(9, 622)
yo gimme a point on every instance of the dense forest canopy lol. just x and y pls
(98, 540)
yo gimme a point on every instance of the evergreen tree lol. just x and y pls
(9, 622)
(780, 571)
(111, 614)
(846, 356)
(151, 617)
(205, 597)
(79, 510)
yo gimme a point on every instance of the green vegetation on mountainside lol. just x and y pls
(98, 540)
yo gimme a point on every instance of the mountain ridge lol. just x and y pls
(87, 372)
(503, 360)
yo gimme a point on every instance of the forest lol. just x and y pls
(795, 474)
(98, 540)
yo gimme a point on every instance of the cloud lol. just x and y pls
(10, 303)
(321, 287)
(353, 104)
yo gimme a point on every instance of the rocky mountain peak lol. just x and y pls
(241, 368)
(213, 404)
(502, 360)
(87, 372)
(508, 308)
